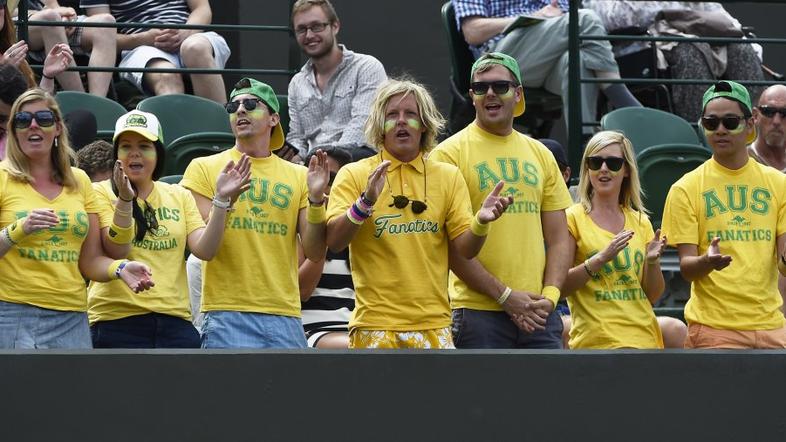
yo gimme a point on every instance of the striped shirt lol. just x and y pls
(498, 8)
(143, 11)
(330, 306)
(335, 116)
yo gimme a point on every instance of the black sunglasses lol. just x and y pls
(248, 103)
(730, 122)
(150, 217)
(482, 87)
(770, 112)
(613, 163)
(401, 201)
(44, 118)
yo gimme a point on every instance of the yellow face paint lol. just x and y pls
(413, 123)
(389, 125)
(43, 129)
(123, 152)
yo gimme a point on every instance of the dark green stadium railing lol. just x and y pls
(575, 122)
(294, 53)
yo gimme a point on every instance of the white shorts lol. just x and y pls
(140, 56)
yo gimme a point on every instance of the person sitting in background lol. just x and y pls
(167, 48)
(329, 98)
(327, 293)
(700, 61)
(542, 47)
(99, 43)
(770, 120)
(96, 159)
(12, 84)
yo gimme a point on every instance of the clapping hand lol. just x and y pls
(234, 179)
(137, 276)
(124, 189)
(39, 219)
(15, 53)
(376, 181)
(655, 247)
(494, 205)
(717, 260)
(318, 176)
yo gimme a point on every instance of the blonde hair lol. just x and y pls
(62, 156)
(430, 117)
(302, 5)
(630, 194)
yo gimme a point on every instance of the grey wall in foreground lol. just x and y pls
(384, 396)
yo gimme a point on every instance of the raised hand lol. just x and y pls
(39, 219)
(318, 176)
(234, 179)
(137, 276)
(617, 244)
(717, 260)
(655, 247)
(124, 189)
(15, 53)
(494, 206)
(57, 60)
(376, 181)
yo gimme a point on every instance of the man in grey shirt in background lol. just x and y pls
(329, 98)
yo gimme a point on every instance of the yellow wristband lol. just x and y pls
(781, 266)
(551, 293)
(121, 235)
(479, 229)
(315, 214)
(112, 270)
(15, 231)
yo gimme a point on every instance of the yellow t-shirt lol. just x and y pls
(399, 260)
(612, 311)
(162, 250)
(746, 208)
(514, 251)
(43, 269)
(255, 269)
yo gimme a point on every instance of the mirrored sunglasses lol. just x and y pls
(44, 118)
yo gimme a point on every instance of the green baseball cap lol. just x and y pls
(732, 91)
(505, 60)
(265, 93)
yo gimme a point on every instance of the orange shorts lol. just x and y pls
(704, 336)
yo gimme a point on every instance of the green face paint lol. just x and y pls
(124, 151)
(389, 125)
(413, 123)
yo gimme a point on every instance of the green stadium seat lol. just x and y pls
(105, 110)
(672, 312)
(187, 118)
(171, 179)
(660, 167)
(543, 107)
(647, 127)
(180, 153)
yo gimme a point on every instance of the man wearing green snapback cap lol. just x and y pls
(505, 297)
(249, 290)
(727, 219)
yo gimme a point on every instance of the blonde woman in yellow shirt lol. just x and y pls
(154, 221)
(49, 216)
(616, 275)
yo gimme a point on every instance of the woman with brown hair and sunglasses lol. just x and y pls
(616, 274)
(154, 221)
(49, 216)
(399, 212)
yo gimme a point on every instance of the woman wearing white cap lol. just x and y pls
(50, 234)
(154, 221)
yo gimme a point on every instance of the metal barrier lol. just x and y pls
(23, 23)
(575, 121)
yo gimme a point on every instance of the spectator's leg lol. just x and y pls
(163, 83)
(688, 62)
(102, 45)
(197, 52)
(44, 38)
(744, 64)
(673, 330)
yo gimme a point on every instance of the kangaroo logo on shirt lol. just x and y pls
(160, 231)
(739, 221)
(55, 241)
(624, 279)
(257, 212)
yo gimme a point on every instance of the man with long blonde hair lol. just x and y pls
(398, 211)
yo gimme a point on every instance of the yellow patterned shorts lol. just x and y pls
(439, 338)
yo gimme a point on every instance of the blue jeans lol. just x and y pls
(28, 326)
(487, 329)
(229, 329)
(151, 330)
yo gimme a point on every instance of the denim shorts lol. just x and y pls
(229, 329)
(492, 329)
(28, 326)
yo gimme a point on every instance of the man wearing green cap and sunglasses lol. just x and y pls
(505, 297)
(249, 290)
(727, 219)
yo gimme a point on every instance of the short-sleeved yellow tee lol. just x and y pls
(255, 269)
(612, 311)
(746, 209)
(43, 269)
(399, 260)
(514, 251)
(162, 250)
